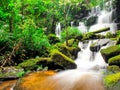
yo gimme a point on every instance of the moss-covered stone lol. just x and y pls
(113, 68)
(34, 64)
(91, 35)
(110, 52)
(112, 79)
(72, 42)
(67, 50)
(7, 73)
(114, 60)
(62, 60)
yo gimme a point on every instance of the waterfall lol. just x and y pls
(82, 27)
(89, 60)
(106, 18)
(71, 23)
(58, 30)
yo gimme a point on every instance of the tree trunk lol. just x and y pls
(10, 24)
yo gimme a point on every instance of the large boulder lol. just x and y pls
(70, 51)
(62, 60)
(39, 64)
(109, 52)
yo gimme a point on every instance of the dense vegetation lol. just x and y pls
(28, 40)
(26, 25)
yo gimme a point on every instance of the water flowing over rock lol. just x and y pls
(88, 59)
(106, 17)
(58, 30)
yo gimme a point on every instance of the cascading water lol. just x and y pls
(89, 60)
(87, 76)
(105, 18)
(82, 27)
(58, 30)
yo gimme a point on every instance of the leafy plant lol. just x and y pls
(72, 33)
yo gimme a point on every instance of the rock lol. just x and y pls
(95, 46)
(62, 60)
(114, 60)
(39, 64)
(113, 68)
(70, 51)
(110, 52)
(112, 81)
(9, 73)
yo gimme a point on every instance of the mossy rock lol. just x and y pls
(114, 60)
(91, 35)
(109, 52)
(9, 73)
(34, 64)
(72, 42)
(68, 51)
(111, 80)
(62, 60)
(113, 68)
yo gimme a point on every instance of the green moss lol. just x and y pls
(10, 72)
(112, 79)
(114, 60)
(110, 52)
(62, 60)
(67, 50)
(31, 64)
(101, 30)
(110, 49)
(54, 52)
(113, 68)
(72, 42)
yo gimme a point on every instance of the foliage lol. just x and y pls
(20, 74)
(72, 33)
(53, 39)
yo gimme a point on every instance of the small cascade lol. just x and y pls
(71, 23)
(58, 30)
(88, 60)
(82, 27)
(105, 18)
